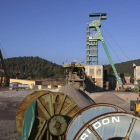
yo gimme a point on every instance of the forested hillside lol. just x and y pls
(33, 67)
(126, 67)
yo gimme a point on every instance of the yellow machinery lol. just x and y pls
(135, 106)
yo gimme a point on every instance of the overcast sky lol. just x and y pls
(55, 30)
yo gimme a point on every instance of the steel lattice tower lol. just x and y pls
(91, 49)
(92, 40)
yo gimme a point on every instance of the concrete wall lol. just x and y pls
(28, 82)
(96, 71)
(136, 74)
(127, 79)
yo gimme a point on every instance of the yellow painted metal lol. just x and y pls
(59, 86)
(29, 82)
(74, 66)
(31, 86)
(96, 22)
(39, 86)
(139, 111)
(121, 89)
(96, 34)
(138, 106)
(49, 86)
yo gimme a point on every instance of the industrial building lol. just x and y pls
(32, 84)
(113, 83)
(88, 76)
(136, 74)
(96, 72)
(95, 76)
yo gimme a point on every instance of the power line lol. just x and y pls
(3, 50)
(112, 49)
(116, 42)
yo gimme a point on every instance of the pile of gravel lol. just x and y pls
(81, 99)
(109, 98)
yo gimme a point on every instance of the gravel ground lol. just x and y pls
(8, 130)
(14, 93)
(10, 100)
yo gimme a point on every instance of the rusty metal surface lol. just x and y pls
(23, 107)
(57, 109)
(86, 114)
(57, 125)
(120, 125)
(53, 112)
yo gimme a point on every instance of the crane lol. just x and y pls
(5, 70)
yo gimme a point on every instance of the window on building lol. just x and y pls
(85, 70)
(91, 70)
(98, 70)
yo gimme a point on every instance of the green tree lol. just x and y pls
(60, 71)
(28, 65)
(110, 70)
(43, 73)
(50, 72)
(32, 75)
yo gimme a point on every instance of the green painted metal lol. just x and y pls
(97, 14)
(57, 125)
(101, 15)
(28, 121)
(92, 51)
(109, 57)
(98, 37)
(93, 25)
(92, 38)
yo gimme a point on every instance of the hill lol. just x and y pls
(36, 67)
(125, 67)
(33, 67)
